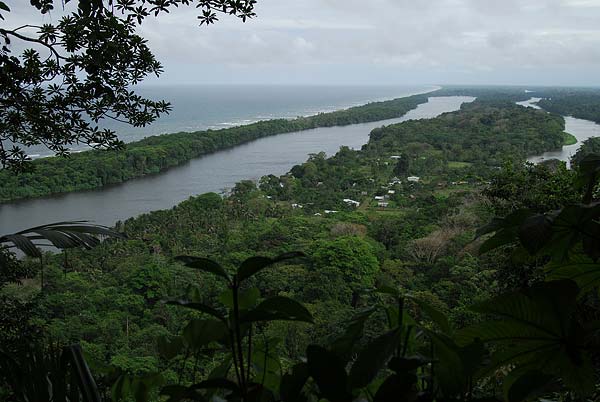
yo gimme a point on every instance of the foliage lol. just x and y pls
(464, 135)
(383, 323)
(580, 103)
(589, 146)
(540, 187)
(233, 327)
(49, 375)
(80, 70)
(556, 340)
(93, 169)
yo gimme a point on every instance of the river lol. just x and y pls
(581, 129)
(211, 173)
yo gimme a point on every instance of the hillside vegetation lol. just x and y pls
(417, 249)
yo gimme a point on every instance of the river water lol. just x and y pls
(581, 129)
(212, 173)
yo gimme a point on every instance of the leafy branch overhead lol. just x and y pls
(80, 70)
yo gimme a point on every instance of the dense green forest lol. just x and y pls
(93, 169)
(583, 103)
(433, 265)
(386, 287)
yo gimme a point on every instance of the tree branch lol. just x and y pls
(32, 40)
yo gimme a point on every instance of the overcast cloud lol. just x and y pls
(555, 42)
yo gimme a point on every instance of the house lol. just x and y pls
(395, 157)
(318, 214)
(391, 191)
(352, 202)
(395, 180)
(379, 198)
(296, 206)
(329, 211)
(363, 193)
(413, 179)
(383, 204)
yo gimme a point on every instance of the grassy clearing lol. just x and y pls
(458, 165)
(569, 139)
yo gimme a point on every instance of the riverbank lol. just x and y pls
(273, 155)
(576, 132)
(95, 169)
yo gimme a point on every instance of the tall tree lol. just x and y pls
(80, 70)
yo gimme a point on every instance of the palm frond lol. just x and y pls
(62, 235)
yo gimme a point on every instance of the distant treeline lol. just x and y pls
(486, 132)
(495, 94)
(579, 104)
(582, 103)
(94, 169)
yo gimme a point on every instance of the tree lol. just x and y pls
(402, 166)
(590, 146)
(80, 70)
(350, 258)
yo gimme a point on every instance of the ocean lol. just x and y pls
(204, 107)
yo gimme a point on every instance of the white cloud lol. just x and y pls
(396, 41)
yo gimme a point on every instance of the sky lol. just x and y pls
(380, 42)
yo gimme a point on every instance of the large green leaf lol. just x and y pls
(546, 306)
(506, 230)
(168, 348)
(204, 264)
(293, 382)
(451, 372)
(434, 314)
(255, 264)
(267, 364)
(588, 174)
(247, 298)
(535, 232)
(199, 307)
(523, 384)
(580, 269)
(329, 373)
(373, 358)
(278, 308)
(398, 387)
(388, 290)
(344, 344)
(535, 328)
(573, 224)
(198, 333)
